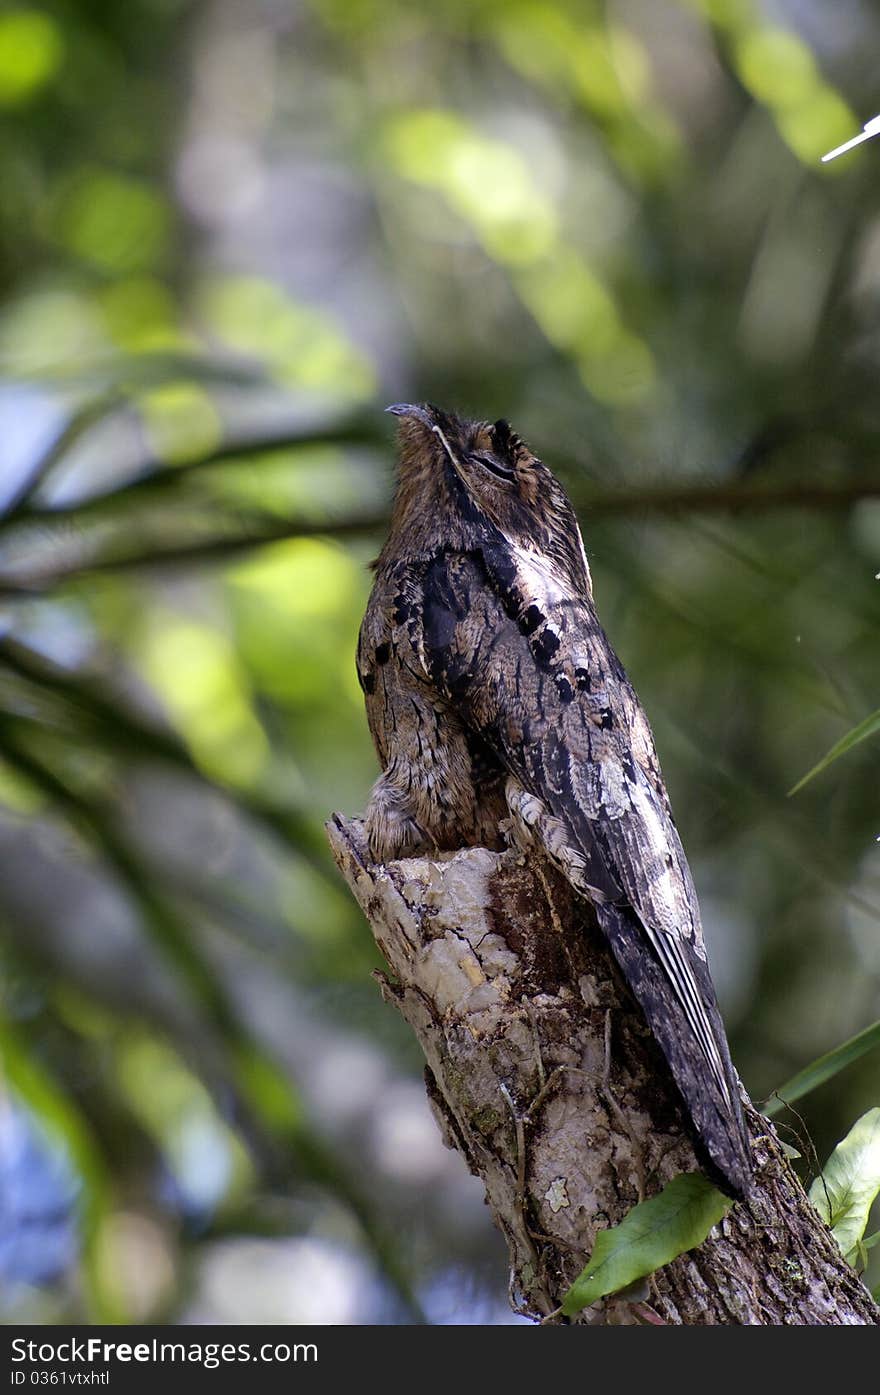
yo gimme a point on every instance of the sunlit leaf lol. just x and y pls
(199, 677)
(115, 222)
(845, 1191)
(779, 70)
(182, 422)
(651, 1235)
(31, 52)
(306, 349)
(867, 728)
(486, 181)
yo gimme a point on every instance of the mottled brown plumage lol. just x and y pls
(493, 694)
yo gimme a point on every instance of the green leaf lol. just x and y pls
(844, 1193)
(863, 1247)
(860, 733)
(651, 1235)
(824, 1068)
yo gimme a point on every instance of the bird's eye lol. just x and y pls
(488, 462)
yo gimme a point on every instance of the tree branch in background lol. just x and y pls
(543, 1075)
(669, 501)
(74, 428)
(152, 477)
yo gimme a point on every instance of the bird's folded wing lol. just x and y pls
(536, 676)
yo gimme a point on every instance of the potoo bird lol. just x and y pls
(493, 694)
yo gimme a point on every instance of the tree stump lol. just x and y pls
(542, 1073)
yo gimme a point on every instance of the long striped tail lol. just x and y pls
(703, 1071)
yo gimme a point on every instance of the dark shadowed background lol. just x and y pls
(230, 233)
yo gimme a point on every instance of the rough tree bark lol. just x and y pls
(542, 1073)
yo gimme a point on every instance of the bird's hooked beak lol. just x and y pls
(408, 409)
(425, 416)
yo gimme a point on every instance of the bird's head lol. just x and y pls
(486, 474)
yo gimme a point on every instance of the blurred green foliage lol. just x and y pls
(229, 233)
